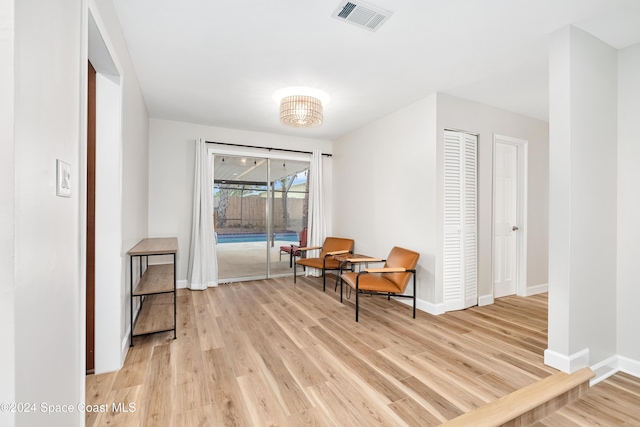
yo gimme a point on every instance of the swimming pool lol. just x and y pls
(255, 237)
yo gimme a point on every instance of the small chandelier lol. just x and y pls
(301, 106)
(300, 111)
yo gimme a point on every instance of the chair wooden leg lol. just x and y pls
(294, 274)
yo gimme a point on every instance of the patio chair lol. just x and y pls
(294, 250)
(331, 246)
(390, 280)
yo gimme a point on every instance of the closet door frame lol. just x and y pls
(460, 220)
(522, 147)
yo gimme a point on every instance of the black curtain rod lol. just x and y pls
(265, 148)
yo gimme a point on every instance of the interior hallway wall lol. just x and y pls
(46, 121)
(384, 188)
(457, 113)
(132, 181)
(7, 210)
(49, 330)
(392, 198)
(628, 315)
(583, 195)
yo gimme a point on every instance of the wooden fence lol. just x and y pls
(249, 213)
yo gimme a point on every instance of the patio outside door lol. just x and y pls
(259, 207)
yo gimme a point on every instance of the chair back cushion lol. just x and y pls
(303, 237)
(400, 257)
(336, 244)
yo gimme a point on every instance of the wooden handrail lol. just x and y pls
(521, 401)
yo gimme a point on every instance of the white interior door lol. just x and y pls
(505, 217)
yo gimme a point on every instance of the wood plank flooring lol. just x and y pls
(275, 353)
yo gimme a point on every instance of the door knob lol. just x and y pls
(514, 228)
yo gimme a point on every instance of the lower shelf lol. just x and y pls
(156, 315)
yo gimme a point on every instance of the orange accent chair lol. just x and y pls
(390, 280)
(294, 250)
(331, 246)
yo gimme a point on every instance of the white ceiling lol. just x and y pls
(219, 62)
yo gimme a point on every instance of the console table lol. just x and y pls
(156, 289)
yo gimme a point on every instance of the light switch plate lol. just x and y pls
(63, 178)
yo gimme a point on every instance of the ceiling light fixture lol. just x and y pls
(300, 106)
(300, 111)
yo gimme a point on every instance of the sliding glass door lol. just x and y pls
(259, 211)
(290, 199)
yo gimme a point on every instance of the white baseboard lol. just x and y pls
(568, 364)
(430, 307)
(485, 300)
(613, 365)
(629, 366)
(604, 370)
(423, 305)
(125, 346)
(534, 290)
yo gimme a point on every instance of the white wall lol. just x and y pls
(171, 174)
(583, 179)
(394, 160)
(43, 119)
(456, 113)
(108, 225)
(126, 195)
(7, 217)
(628, 317)
(49, 71)
(384, 189)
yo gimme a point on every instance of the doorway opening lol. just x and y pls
(107, 304)
(260, 205)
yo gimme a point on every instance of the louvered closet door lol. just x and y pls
(460, 253)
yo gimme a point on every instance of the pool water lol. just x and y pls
(255, 237)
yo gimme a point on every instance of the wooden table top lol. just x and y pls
(355, 258)
(155, 246)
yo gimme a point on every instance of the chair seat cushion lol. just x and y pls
(370, 282)
(288, 249)
(330, 264)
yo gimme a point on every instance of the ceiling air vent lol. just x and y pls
(361, 14)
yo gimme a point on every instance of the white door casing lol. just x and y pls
(460, 252)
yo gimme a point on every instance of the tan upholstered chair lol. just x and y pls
(390, 280)
(331, 246)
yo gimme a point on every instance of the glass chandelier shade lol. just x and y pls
(300, 111)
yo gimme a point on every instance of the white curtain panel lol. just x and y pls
(317, 226)
(203, 262)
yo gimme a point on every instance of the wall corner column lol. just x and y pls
(582, 192)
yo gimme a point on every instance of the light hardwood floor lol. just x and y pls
(268, 353)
